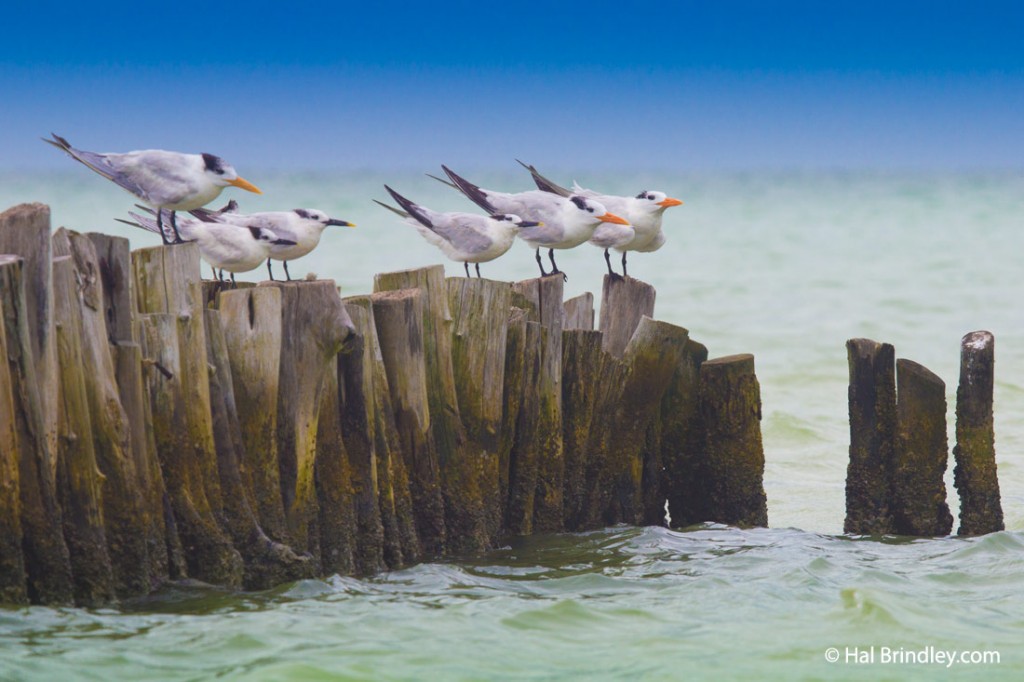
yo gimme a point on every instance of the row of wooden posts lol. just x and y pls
(155, 427)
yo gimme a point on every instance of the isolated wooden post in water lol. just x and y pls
(78, 474)
(579, 312)
(122, 517)
(684, 469)
(47, 564)
(479, 334)
(545, 294)
(315, 326)
(730, 407)
(624, 302)
(12, 561)
(466, 521)
(919, 493)
(975, 474)
(252, 331)
(398, 316)
(872, 398)
(371, 441)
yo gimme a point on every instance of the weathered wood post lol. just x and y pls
(579, 312)
(12, 561)
(398, 316)
(479, 310)
(624, 302)
(371, 440)
(252, 331)
(169, 294)
(730, 407)
(78, 474)
(113, 256)
(122, 517)
(582, 363)
(47, 563)
(335, 492)
(466, 520)
(314, 327)
(872, 398)
(683, 468)
(544, 295)
(975, 474)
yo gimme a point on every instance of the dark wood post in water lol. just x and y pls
(398, 316)
(918, 491)
(314, 326)
(730, 407)
(872, 398)
(466, 520)
(624, 301)
(12, 561)
(479, 310)
(385, 527)
(47, 563)
(975, 474)
(78, 474)
(583, 380)
(683, 465)
(251, 319)
(335, 489)
(517, 425)
(544, 295)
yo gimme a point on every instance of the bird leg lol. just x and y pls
(554, 267)
(465, 264)
(608, 260)
(270, 270)
(540, 264)
(624, 264)
(477, 266)
(233, 284)
(174, 227)
(214, 273)
(286, 273)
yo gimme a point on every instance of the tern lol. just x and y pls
(565, 222)
(223, 245)
(301, 227)
(163, 180)
(644, 212)
(463, 237)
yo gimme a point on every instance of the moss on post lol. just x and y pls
(975, 476)
(872, 398)
(12, 561)
(730, 407)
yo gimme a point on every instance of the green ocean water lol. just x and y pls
(786, 266)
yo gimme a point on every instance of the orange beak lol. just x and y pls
(612, 218)
(670, 202)
(246, 185)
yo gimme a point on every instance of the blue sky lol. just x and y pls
(686, 85)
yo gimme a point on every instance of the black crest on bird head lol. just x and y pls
(255, 232)
(214, 164)
(580, 202)
(642, 195)
(303, 213)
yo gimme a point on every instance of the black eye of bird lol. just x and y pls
(590, 209)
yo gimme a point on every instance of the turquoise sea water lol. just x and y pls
(786, 266)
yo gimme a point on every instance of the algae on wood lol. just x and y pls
(12, 561)
(975, 476)
(336, 518)
(872, 398)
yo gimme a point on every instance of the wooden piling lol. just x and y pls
(47, 563)
(466, 519)
(398, 316)
(115, 277)
(479, 309)
(624, 302)
(579, 312)
(332, 475)
(314, 327)
(681, 445)
(582, 361)
(124, 523)
(544, 295)
(918, 491)
(252, 331)
(975, 477)
(12, 561)
(730, 408)
(372, 443)
(872, 400)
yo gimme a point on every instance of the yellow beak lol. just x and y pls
(246, 185)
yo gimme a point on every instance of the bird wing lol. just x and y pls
(107, 165)
(543, 184)
(475, 194)
(397, 211)
(465, 231)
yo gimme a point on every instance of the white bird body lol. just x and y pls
(302, 227)
(161, 179)
(223, 245)
(462, 237)
(644, 212)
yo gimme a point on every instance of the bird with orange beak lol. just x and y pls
(644, 213)
(164, 180)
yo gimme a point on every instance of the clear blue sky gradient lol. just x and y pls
(687, 85)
